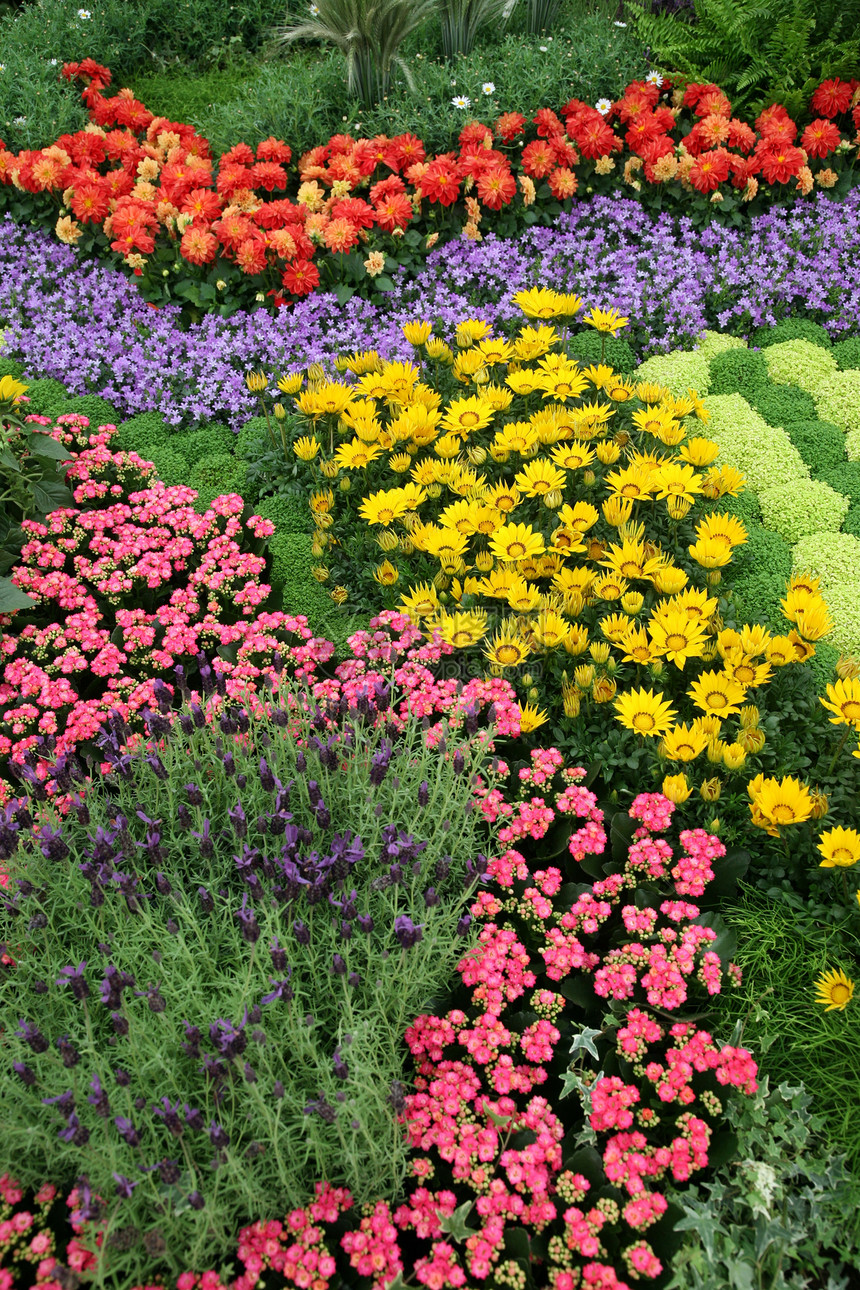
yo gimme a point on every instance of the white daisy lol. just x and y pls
(654, 78)
(543, 49)
(2, 67)
(621, 24)
(488, 88)
(603, 106)
(461, 102)
(53, 62)
(314, 10)
(84, 15)
(20, 120)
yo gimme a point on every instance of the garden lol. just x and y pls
(429, 644)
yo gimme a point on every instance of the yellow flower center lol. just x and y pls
(842, 856)
(744, 673)
(850, 709)
(675, 641)
(508, 654)
(782, 813)
(641, 653)
(716, 699)
(644, 721)
(462, 638)
(840, 994)
(630, 569)
(505, 503)
(631, 490)
(514, 550)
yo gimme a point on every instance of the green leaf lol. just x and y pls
(578, 990)
(9, 460)
(12, 598)
(343, 293)
(50, 494)
(455, 1224)
(42, 445)
(585, 1040)
(383, 283)
(530, 217)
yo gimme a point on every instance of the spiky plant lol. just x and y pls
(369, 33)
(463, 19)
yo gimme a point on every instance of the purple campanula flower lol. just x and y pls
(74, 976)
(407, 932)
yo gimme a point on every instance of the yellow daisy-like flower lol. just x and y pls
(471, 330)
(814, 622)
(722, 528)
(684, 743)
(11, 390)
(745, 670)
(599, 374)
(400, 462)
(398, 380)
(564, 383)
(653, 420)
(630, 560)
(462, 630)
(676, 788)
(645, 712)
(356, 455)
(495, 351)
(696, 604)
(384, 507)
(834, 990)
(572, 456)
(615, 627)
(610, 587)
(605, 320)
(670, 580)
(386, 574)
(447, 545)
(710, 553)
(549, 629)
(840, 848)
(523, 596)
(507, 648)
(421, 602)
(533, 342)
(635, 643)
(515, 542)
(676, 480)
(717, 693)
(539, 302)
(635, 482)
(291, 383)
(725, 482)
(699, 451)
(517, 436)
(843, 700)
(328, 399)
(500, 582)
(754, 639)
(581, 516)
(526, 381)
(781, 802)
(677, 637)
(503, 497)
(417, 332)
(619, 389)
(306, 448)
(537, 478)
(463, 416)
(461, 516)
(531, 718)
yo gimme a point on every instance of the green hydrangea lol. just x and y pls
(800, 363)
(737, 371)
(839, 401)
(847, 353)
(586, 348)
(802, 507)
(820, 443)
(680, 371)
(764, 454)
(757, 577)
(832, 557)
(790, 329)
(844, 478)
(716, 342)
(782, 404)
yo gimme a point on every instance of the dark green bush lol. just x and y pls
(586, 348)
(194, 445)
(217, 473)
(737, 371)
(98, 411)
(847, 353)
(760, 570)
(844, 478)
(820, 443)
(170, 466)
(8, 367)
(780, 405)
(791, 329)
(249, 438)
(143, 433)
(47, 398)
(851, 523)
(289, 512)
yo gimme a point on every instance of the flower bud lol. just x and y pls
(676, 788)
(710, 790)
(553, 499)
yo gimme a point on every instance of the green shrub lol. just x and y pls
(737, 371)
(782, 404)
(217, 473)
(8, 367)
(745, 506)
(289, 512)
(248, 439)
(763, 454)
(763, 566)
(586, 349)
(844, 605)
(682, 370)
(47, 397)
(717, 342)
(800, 363)
(839, 401)
(845, 479)
(301, 593)
(193, 445)
(820, 443)
(852, 445)
(847, 353)
(171, 467)
(790, 329)
(823, 664)
(833, 557)
(802, 507)
(143, 433)
(98, 411)
(851, 523)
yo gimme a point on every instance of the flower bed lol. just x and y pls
(144, 190)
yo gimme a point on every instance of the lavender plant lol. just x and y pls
(217, 950)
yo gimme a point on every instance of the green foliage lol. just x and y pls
(820, 443)
(799, 362)
(764, 454)
(217, 473)
(97, 411)
(368, 33)
(586, 348)
(8, 367)
(47, 398)
(737, 371)
(250, 437)
(463, 19)
(847, 353)
(189, 98)
(193, 445)
(803, 507)
(851, 523)
(761, 568)
(823, 663)
(778, 1212)
(680, 371)
(144, 432)
(276, 1054)
(790, 329)
(838, 400)
(782, 404)
(758, 51)
(289, 512)
(170, 466)
(845, 478)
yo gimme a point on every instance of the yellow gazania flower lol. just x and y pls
(516, 542)
(550, 629)
(462, 630)
(398, 381)
(676, 788)
(495, 351)
(384, 507)
(710, 553)
(328, 399)
(581, 516)
(833, 990)
(566, 542)
(734, 756)
(291, 383)
(803, 650)
(605, 320)
(799, 596)
(599, 374)
(546, 424)
(814, 622)
(631, 561)
(356, 455)
(386, 574)
(322, 502)
(531, 718)
(636, 644)
(615, 627)
(461, 515)
(498, 398)
(676, 480)
(537, 478)
(840, 848)
(439, 350)
(645, 712)
(572, 456)
(471, 330)
(677, 637)
(610, 587)
(577, 642)
(463, 416)
(421, 602)
(754, 639)
(416, 422)
(651, 392)
(517, 436)
(619, 389)
(632, 602)
(699, 451)
(745, 670)
(362, 361)
(11, 390)
(486, 520)
(400, 462)
(448, 445)
(843, 699)
(722, 528)
(725, 482)
(631, 481)
(653, 420)
(669, 581)
(781, 802)
(255, 381)
(447, 545)
(539, 302)
(684, 743)
(695, 603)
(526, 381)
(507, 648)
(715, 692)
(417, 333)
(500, 581)
(533, 342)
(564, 383)
(523, 596)
(306, 447)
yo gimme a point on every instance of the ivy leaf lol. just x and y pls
(701, 1222)
(454, 1225)
(585, 1040)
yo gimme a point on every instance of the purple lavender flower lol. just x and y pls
(169, 1115)
(24, 1073)
(99, 1098)
(282, 992)
(74, 976)
(423, 793)
(68, 1052)
(124, 1186)
(407, 932)
(340, 1067)
(218, 1136)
